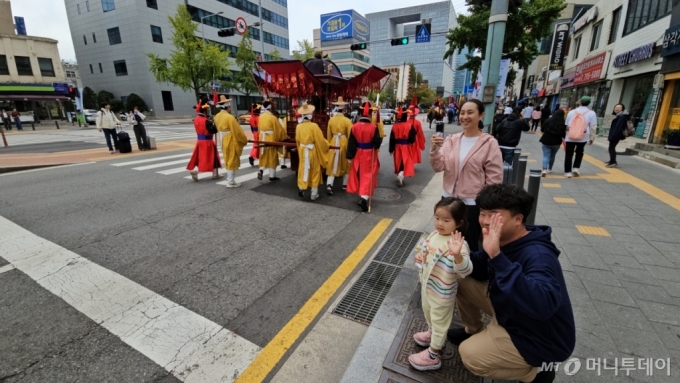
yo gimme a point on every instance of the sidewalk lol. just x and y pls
(616, 229)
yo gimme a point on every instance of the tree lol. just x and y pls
(134, 100)
(193, 63)
(304, 51)
(90, 99)
(243, 80)
(104, 96)
(528, 22)
(116, 105)
(276, 56)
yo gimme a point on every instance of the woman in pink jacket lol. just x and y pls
(470, 160)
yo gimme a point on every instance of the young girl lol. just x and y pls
(443, 257)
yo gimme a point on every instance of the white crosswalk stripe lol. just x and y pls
(91, 136)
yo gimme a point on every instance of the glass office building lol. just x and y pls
(427, 57)
(462, 77)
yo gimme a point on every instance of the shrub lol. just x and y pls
(90, 99)
(134, 100)
(104, 96)
(116, 105)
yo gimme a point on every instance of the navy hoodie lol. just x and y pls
(529, 296)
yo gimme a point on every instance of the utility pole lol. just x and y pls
(492, 59)
(261, 30)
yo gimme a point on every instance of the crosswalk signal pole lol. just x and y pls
(493, 53)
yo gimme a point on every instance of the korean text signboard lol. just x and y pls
(638, 54)
(21, 25)
(590, 69)
(558, 47)
(344, 25)
(671, 41)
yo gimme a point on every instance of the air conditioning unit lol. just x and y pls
(658, 81)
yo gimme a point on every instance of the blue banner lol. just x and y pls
(344, 25)
(21, 25)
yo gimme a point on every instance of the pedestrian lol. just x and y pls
(470, 160)
(616, 132)
(439, 115)
(254, 123)
(581, 123)
(107, 121)
(312, 148)
(270, 130)
(498, 118)
(362, 151)
(337, 134)
(535, 118)
(6, 121)
(233, 140)
(450, 113)
(419, 145)
(553, 134)
(443, 258)
(139, 129)
(402, 138)
(526, 113)
(16, 116)
(205, 156)
(545, 114)
(508, 134)
(518, 281)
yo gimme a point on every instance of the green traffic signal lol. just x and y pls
(357, 47)
(400, 41)
(404, 41)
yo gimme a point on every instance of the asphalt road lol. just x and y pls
(246, 259)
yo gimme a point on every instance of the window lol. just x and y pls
(94, 37)
(91, 69)
(85, 39)
(23, 65)
(274, 18)
(78, 8)
(114, 36)
(275, 40)
(120, 67)
(152, 4)
(4, 68)
(614, 30)
(87, 6)
(215, 21)
(351, 68)
(577, 46)
(644, 12)
(156, 34)
(282, 2)
(595, 38)
(167, 100)
(101, 69)
(243, 5)
(108, 5)
(46, 67)
(349, 55)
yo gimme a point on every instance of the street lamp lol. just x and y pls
(203, 25)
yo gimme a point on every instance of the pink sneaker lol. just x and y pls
(423, 361)
(423, 338)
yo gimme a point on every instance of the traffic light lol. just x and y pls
(400, 41)
(226, 32)
(72, 92)
(358, 47)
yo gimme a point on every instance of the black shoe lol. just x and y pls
(457, 335)
(274, 179)
(301, 193)
(284, 167)
(544, 377)
(252, 161)
(344, 187)
(329, 190)
(364, 205)
(259, 175)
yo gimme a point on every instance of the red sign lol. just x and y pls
(590, 69)
(241, 25)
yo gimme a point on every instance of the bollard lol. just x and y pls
(534, 183)
(56, 123)
(33, 125)
(507, 174)
(515, 164)
(521, 171)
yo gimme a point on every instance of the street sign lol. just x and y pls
(216, 85)
(241, 25)
(424, 32)
(468, 89)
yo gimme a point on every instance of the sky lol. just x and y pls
(47, 18)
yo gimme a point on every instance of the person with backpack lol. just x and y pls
(508, 134)
(581, 123)
(553, 134)
(618, 131)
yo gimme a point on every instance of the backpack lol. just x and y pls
(577, 128)
(629, 130)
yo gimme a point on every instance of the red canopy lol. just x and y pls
(369, 80)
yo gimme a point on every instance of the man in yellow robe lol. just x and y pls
(233, 140)
(312, 149)
(337, 165)
(270, 130)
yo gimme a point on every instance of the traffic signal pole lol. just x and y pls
(493, 53)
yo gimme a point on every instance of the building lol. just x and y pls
(462, 77)
(72, 73)
(113, 37)
(31, 75)
(427, 57)
(669, 113)
(337, 44)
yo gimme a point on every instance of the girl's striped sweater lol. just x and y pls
(442, 283)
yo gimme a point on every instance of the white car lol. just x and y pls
(90, 116)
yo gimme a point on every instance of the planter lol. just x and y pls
(673, 140)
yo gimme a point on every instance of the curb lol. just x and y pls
(10, 169)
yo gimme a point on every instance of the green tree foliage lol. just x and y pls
(104, 96)
(276, 55)
(243, 80)
(193, 63)
(134, 100)
(527, 24)
(116, 105)
(304, 51)
(90, 99)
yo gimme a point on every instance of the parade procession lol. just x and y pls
(316, 135)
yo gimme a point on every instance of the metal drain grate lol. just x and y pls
(398, 247)
(364, 298)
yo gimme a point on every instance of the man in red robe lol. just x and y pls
(254, 120)
(205, 155)
(362, 151)
(419, 145)
(402, 139)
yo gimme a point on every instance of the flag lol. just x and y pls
(215, 98)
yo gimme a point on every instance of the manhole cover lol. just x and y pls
(386, 194)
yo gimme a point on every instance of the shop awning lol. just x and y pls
(541, 92)
(33, 97)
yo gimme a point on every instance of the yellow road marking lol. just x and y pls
(531, 160)
(272, 353)
(564, 200)
(597, 177)
(593, 230)
(525, 153)
(548, 185)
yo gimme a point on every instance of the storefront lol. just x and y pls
(36, 102)
(669, 113)
(588, 79)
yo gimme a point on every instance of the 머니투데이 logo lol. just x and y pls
(361, 27)
(336, 23)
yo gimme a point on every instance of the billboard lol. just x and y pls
(345, 25)
(559, 46)
(21, 25)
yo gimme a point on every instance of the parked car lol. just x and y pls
(90, 116)
(244, 119)
(122, 116)
(387, 116)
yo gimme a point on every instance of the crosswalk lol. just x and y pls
(177, 164)
(94, 136)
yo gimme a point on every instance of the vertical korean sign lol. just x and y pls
(505, 68)
(21, 25)
(558, 46)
